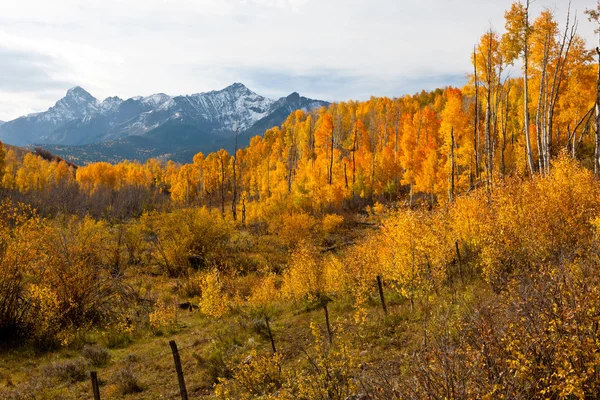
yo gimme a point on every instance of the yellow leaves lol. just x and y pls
(258, 376)
(305, 275)
(106, 176)
(418, 251)
(186, 238)
(45, 311)
(541, 221)
(332, 222)
(213, 301)
(330, 369)
(513, 40)
(293, 227)
(265, 292)
(163, 316)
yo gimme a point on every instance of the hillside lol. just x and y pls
(441, 245)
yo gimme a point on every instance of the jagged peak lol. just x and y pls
(112, 99)
(78, 91)
(293, 97)
(236, 85)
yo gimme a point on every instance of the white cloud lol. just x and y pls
(330, 48)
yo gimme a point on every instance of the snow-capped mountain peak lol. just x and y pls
(155, 100)
(77, 92)
(110, 104)
(77, 103)
(79, 118)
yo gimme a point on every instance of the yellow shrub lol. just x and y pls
(294, 227)
(332, 222)
(163, 316)
(213, 301)
(419, 251)
(260, 377)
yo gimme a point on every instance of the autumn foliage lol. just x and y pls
(438, 245)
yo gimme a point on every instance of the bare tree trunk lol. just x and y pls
(459, 262)
(540, 111)
(331, 155)
(526, 93)
(234, 196)
(504, 128)
(597, 152)
(345, 175)
(354, 148)
(243, 209)
(568, 37)
(222, 187)
(381, 295)
(476, 124)
(451, 176)
(488, 112)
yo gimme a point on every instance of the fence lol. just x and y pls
(177, 359)
(178, 370)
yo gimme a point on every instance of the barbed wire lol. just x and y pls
(169, 352)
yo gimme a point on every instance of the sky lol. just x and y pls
(325, 49)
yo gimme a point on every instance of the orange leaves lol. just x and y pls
(513, 41)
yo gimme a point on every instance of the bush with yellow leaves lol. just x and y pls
(332, 222)
(293, 227)
(213, 301)
(330, 371)
(259, 375)
(523, 225)
(187, 239)
(45, 314)
(418, 252)
(164, 315)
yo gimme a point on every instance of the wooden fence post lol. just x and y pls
(177, 361)
(95, 387)
(270, 334)
(380, 287)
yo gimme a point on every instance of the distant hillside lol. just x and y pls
(19, 151)
(83, 129)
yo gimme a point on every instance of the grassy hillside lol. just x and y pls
(493, 295)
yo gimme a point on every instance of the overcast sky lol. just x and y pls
(326, 49)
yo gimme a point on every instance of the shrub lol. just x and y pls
(294, 227)
(67, 371)
(213, 301)
(126, 380)
(163, 316)
(258, 375)
(332, 222)
(98, 356)
(214, 365)
(184, 239)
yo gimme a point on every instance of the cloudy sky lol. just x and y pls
(327, 49)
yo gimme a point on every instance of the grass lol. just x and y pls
(144, 369)
(140, 365)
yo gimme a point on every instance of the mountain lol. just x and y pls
(85, 129)
(1, 123)
(33, 128)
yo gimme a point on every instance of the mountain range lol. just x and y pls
(83, 129)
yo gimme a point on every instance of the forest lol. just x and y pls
(441, 245)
